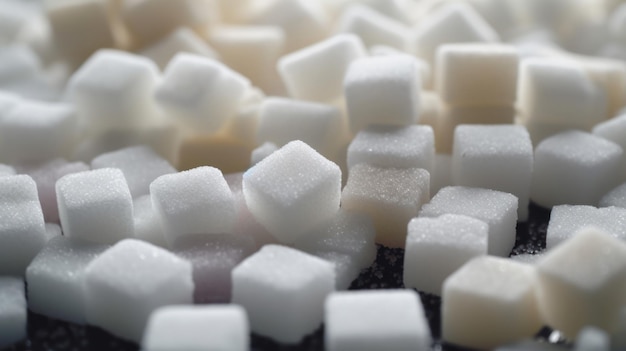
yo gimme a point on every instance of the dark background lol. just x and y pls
(386, 273)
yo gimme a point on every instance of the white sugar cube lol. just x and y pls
(582, 282)
(560, 92)
(252, 51)
(592, 339)
(498, 157)
(13, 311)
(303, 22)
(615, 197)
(394, 147)
(246, 224)
(283, 120)
(374, 28)
(375, 320)
(261, 152)
(130, 280)
(283, 290)
(197, 201)
(182, 39)
(480, 298)
(436, 247)
(95, 206)
(140, 165)
(450, 23)
(70, 21)
(316, 72)
(575, 167)
(22, 230)
(292, 190)
(148, 225)
(477, 74)
(497, 209)
(139, 17)
(46, 175)
(37, 131)
(200, 92)
(382, 90)
(197, 328)
(55, 278)
(113, 89)
(213, 258)
(390, 196)
(566, 220)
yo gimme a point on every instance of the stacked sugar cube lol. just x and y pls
(255, 155)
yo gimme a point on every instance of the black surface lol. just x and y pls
(386, 273)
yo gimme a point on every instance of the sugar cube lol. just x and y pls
(394, 147)
(565, 220)
(498, 157)
(477, 74)
(497, 209)
(582, 282)
(558, 91)
(292, 190)
(375, 320)
(55, 278)
(113, 89)
(382, 90)
(95, 206)
(37, 131)
(283, 291)
(437, 247)
(574, 167)
(390, 196)
(196, 328)
(199, 91)
(316, 72)
(130, 280)
(197, 201)
(22, 230)
(495, 289)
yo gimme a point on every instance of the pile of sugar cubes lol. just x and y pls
(188, 174)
